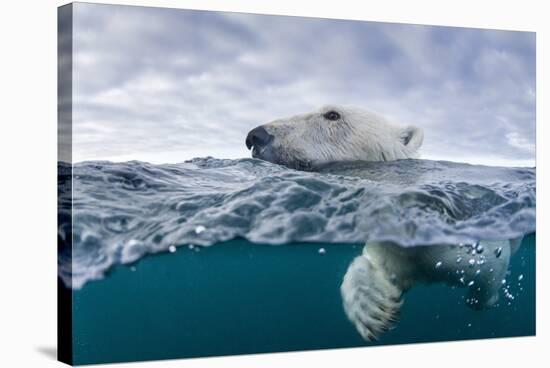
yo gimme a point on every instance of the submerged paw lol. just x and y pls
(371, 300)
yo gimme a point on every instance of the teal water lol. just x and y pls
(240, 298)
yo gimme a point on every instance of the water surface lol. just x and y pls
(124, 211)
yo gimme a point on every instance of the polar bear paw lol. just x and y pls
(370, 297)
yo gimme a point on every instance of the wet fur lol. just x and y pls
(375, 282)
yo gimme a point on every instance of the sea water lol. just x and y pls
(216, 257)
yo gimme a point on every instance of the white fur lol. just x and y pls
(375, 281)
(358, 135)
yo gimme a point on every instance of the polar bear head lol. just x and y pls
(332, 134)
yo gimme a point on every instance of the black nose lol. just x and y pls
(258, 137)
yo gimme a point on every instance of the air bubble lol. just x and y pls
(438, 264)
(507, 295)
(172, 248)
(322, 250)
(199, 229)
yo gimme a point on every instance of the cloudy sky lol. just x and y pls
(166, 85)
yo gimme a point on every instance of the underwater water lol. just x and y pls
(216, 257)
(239, 298)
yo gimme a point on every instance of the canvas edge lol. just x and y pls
(64, 192)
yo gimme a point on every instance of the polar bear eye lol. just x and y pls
(331, 115)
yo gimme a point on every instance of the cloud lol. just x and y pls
(516, 140)
(167, 85)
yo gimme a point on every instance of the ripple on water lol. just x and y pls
(123, 211)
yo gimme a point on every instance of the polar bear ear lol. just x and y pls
(411, 137)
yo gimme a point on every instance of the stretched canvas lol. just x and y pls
(236, 183)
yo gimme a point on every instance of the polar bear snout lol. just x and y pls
(259, 140)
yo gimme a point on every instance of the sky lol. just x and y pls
(167, 85)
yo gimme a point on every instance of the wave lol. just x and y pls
(122, 211)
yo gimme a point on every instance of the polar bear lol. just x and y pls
(374, 284)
